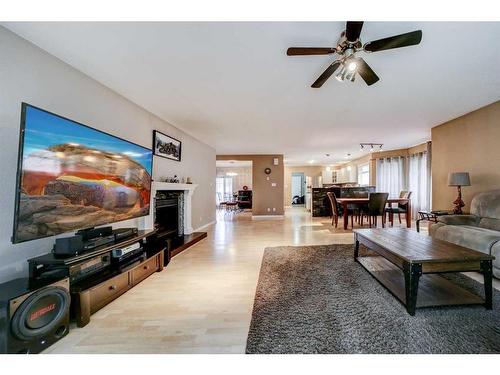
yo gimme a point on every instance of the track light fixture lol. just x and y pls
(363, 146)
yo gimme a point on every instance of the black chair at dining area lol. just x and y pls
(376, 207)
(337, 210)
(400, 209)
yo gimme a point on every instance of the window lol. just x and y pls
(364, 174)
(391, 175)
(223, 188)
(419, 183)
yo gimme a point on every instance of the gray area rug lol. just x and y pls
(316, 299)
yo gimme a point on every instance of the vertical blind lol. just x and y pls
(419, 182)
(391, 175)
(393, 178)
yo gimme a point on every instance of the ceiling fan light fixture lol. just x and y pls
(340, 76)
(347, 48)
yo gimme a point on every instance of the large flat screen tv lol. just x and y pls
(71, 176)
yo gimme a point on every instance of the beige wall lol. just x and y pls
(30, 74)
(309, 171)
(267, 199)
(243, 177)
(467, 144)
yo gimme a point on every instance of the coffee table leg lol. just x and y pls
(412, 272)
(487, 271)
(356, 248)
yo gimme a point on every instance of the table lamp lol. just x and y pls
(458, 179)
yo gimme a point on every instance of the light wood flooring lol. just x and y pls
(201, 302)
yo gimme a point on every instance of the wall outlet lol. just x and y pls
(267, 178)
(273, 184)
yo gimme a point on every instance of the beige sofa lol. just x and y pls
(479, 231)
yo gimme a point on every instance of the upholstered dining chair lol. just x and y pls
(375, 208)
(335, 208)
(400, 209)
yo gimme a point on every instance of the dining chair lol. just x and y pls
(222, 202)
(336, 210)
(375, 208)
(400, 209)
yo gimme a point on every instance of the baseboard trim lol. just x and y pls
(204, 226)
(268, 217)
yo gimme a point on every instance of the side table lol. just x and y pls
(430, 216)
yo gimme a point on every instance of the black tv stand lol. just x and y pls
(91, 293)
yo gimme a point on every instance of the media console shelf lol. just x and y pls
(95, 280)
(92, 294)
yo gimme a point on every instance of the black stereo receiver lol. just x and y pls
(45, 266)
(84, 269)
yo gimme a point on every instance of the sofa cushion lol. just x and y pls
(433, 227)
(476, 238)
(489, 223)
(459, 219)
(486, 204)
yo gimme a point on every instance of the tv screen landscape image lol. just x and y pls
(72, 176)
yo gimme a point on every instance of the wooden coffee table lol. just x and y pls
(407, 262)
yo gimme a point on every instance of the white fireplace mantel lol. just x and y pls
(188, 190)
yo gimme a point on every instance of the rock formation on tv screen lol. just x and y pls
(67, 187)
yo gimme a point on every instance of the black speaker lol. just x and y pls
(33, 316)
(68, 246)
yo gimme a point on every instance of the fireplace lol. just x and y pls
(187, 190)
(169, 214)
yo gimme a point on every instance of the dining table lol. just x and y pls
(344, 202)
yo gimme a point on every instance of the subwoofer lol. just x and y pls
(33, 316)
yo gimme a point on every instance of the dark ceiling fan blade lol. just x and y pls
(326, 74)
(300, 51)
(352, 30)
(364, 70)
(397, 41)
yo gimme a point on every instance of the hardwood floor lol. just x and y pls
(202, 302)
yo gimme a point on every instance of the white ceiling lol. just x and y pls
(232, 86)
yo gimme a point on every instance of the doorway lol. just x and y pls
(298, 188)
(233, 186)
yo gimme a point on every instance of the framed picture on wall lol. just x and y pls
(166, 146)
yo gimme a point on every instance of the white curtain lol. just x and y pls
(391, 176)
(419, 183)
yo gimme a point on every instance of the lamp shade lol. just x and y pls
(459, 179)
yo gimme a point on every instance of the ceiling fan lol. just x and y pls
(348, 46)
